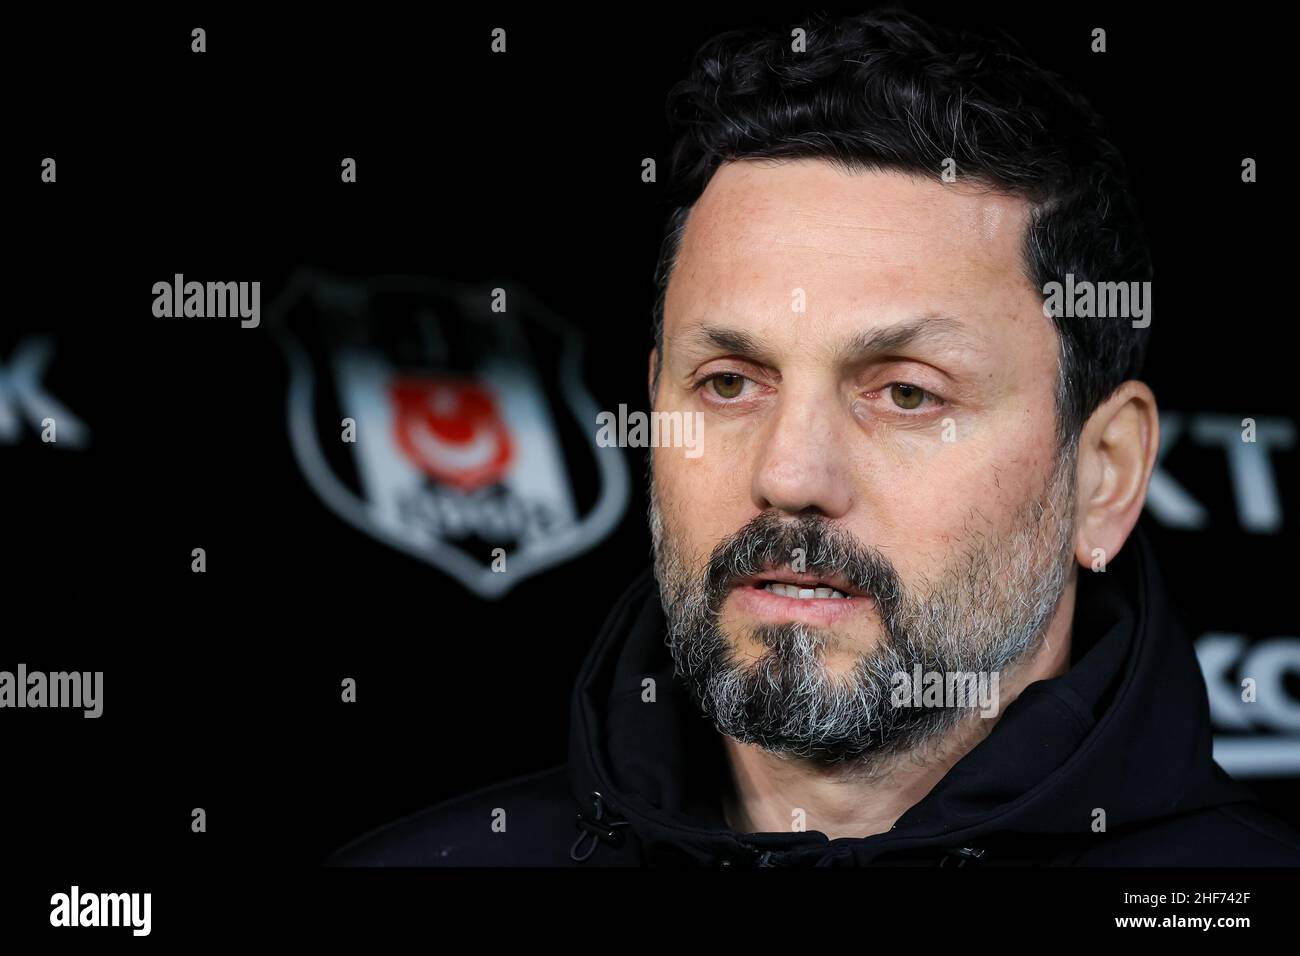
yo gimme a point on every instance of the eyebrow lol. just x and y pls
(933, 328)
(728, 340)
(864, 345)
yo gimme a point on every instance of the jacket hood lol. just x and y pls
(1126, 730)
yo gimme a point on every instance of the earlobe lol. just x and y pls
(1117, 453)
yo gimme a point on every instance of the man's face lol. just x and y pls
(877, 382)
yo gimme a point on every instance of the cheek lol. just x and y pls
(704, 499)
(920, 510)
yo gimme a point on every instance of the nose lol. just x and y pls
(802, 466)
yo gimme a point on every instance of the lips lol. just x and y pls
(796, 584)
(780, 596)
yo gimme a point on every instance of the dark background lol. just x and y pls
(222, 689)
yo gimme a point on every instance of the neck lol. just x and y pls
(860, 799)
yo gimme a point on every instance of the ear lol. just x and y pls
(1117, 453)
(650, 381)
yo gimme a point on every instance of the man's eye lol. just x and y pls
(727, 384)
(906, 396)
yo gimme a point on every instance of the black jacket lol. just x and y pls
(1126, 730)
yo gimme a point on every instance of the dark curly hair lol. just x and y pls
(887, 91)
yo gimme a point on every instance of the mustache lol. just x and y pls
(770, 540)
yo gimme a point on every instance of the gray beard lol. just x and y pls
(985, 612)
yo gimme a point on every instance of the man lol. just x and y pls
(902, 613)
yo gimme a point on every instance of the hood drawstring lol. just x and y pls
(963, 854)
(598, 827)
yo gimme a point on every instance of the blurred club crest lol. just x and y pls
(473, 435)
